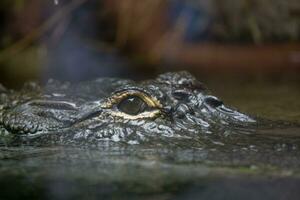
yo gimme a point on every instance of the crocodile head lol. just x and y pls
(174, 105)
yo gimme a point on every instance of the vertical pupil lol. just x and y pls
(132, 105)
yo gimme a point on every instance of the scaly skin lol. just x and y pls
(177, 107)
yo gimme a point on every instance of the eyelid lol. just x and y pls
(121, 95)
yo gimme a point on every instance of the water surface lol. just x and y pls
(254, 163)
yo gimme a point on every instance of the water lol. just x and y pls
(252, 164)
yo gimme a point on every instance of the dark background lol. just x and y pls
(75, 40)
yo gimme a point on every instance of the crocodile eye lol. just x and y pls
(132, 105)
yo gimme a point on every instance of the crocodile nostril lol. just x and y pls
(213, 101)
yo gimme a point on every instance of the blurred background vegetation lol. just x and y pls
(246, 51)
(76, 40)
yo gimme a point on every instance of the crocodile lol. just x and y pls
(150, 137)
(174, 105)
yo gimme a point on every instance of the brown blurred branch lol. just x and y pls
(39, 31)
(218, 57)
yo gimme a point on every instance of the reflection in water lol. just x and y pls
(168, 168)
